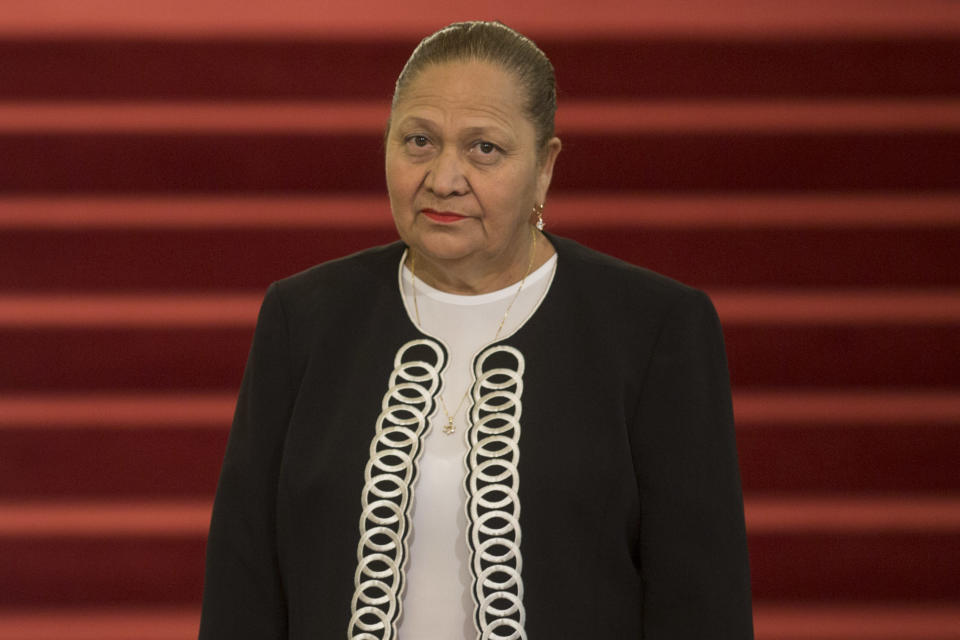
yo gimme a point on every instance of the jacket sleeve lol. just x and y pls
(693, 552)
(243, 593)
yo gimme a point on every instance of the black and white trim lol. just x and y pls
(492, 484)
(388, 490)
(493, 503)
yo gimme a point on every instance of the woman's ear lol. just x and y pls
(547, 158)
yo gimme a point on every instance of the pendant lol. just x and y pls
(449, 428)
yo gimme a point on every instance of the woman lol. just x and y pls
(481, 431)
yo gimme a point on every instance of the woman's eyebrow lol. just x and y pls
(417, 121)
(482, 130)
(501, 134)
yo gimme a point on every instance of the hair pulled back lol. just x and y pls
(496, 43)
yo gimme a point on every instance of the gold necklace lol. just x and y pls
(449, 428)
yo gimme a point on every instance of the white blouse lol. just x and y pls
(437, 604)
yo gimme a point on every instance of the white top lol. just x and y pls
(437, 604)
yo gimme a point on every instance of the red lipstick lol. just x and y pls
(445, 217)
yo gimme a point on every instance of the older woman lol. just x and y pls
(480, 431)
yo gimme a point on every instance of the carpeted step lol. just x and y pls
(103, 553)
(838, 355)
(592, 210)
(123, 446)
(118, 462)
(693, 145)
(688, 65)
(713, 240)
(595, 115)
(179, 342)
(288, 18)
(249, 259)
(104, 623)
(842, 621)
(846, 442)
(160, 446)
(868, 549)
(247, 163)
(772, 622)
(124, 359)
(878, 549)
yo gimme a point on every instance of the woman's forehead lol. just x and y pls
(465, 91)
(465, 81)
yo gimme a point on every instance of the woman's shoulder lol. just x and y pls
(615, 279)
(356, 278)
(629, 304)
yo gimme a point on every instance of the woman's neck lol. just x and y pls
(477, 276)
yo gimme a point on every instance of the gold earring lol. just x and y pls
(538, 209)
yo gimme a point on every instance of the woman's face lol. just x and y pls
(463, 169)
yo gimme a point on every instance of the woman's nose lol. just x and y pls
(446, 177)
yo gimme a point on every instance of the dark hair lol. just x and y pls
(497, 43)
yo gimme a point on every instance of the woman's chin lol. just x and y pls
(443, 246)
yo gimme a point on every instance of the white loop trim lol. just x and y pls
(516, 629)
(387, 492)
(364, 568)
(493, 501)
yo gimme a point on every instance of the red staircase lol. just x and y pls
(801, 162)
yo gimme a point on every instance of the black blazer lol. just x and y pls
(602, 487)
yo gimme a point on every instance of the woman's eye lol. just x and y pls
(485, 152)
(420, 141)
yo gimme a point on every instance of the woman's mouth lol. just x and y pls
(442, 216)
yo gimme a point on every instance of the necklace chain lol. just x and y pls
(449, 428)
